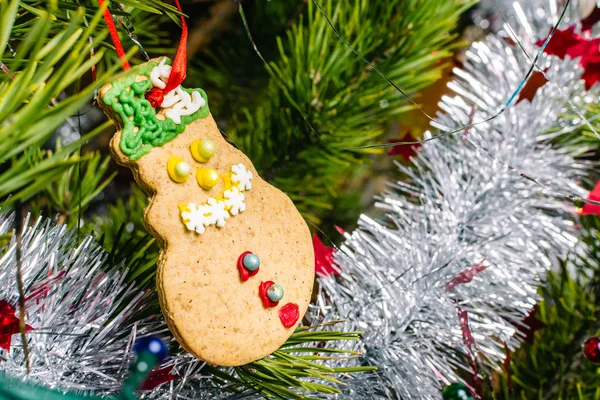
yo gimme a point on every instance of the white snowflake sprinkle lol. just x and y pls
(234, 200)
(219, 213)
(241, 177)
(194, 218)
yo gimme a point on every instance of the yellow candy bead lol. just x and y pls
(207, 178)
(178, 169)
(203, 150)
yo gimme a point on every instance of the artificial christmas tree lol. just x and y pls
(435, 294)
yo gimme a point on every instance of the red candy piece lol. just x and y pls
(289, 314)
(262, 292)
(591, 349)
(244, 273)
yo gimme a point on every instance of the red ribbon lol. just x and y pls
(115, 36)
(178, 69)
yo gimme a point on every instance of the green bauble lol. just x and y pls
(457, 391)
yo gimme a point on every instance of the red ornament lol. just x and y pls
(9, 324)
(289, 314)
(406, 151)
(158, 377)
(244, 273)
(324, 264)
(591, 349)
(568, 43)
(262, 292)
(592, 209)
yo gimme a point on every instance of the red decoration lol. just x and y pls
(341, 230)
(9, 324)
(158, 377)
(178, 69)
(463, 319)
(466, 276)
(592, 209)
(591, 349)
(244, 273)
(406, 151)
(114, 36)
(568, 43)
(289, 314)
(324, 264)
(531, 324)
(262, 292)
(535, 81)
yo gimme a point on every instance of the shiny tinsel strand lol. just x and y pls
(465, 201)
(533, 14)
(80, 339)
(85, 317)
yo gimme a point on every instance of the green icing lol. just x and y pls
(126, 97)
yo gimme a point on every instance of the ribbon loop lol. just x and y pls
(178, 69)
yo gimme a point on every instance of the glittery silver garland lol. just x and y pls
(532, 14)
(464, 202)
(78, 312)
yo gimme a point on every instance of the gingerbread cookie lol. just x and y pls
(236, 268)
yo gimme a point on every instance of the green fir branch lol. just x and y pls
(297, 371)
(301, 118)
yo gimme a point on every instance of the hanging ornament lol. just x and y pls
(591, 349)
(165, 132)
(457, 391)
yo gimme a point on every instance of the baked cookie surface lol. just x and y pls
(236, 268)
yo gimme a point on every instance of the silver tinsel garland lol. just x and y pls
(463, 210)
(78, 312)
(85, 317)
(493, 14)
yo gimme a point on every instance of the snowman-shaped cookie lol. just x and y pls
(236, 268)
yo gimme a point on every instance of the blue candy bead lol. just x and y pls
(151, 344)
(251, 262)
(275, 292)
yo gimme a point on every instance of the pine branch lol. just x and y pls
(297, 369)
(144, 15)
(313, 75)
